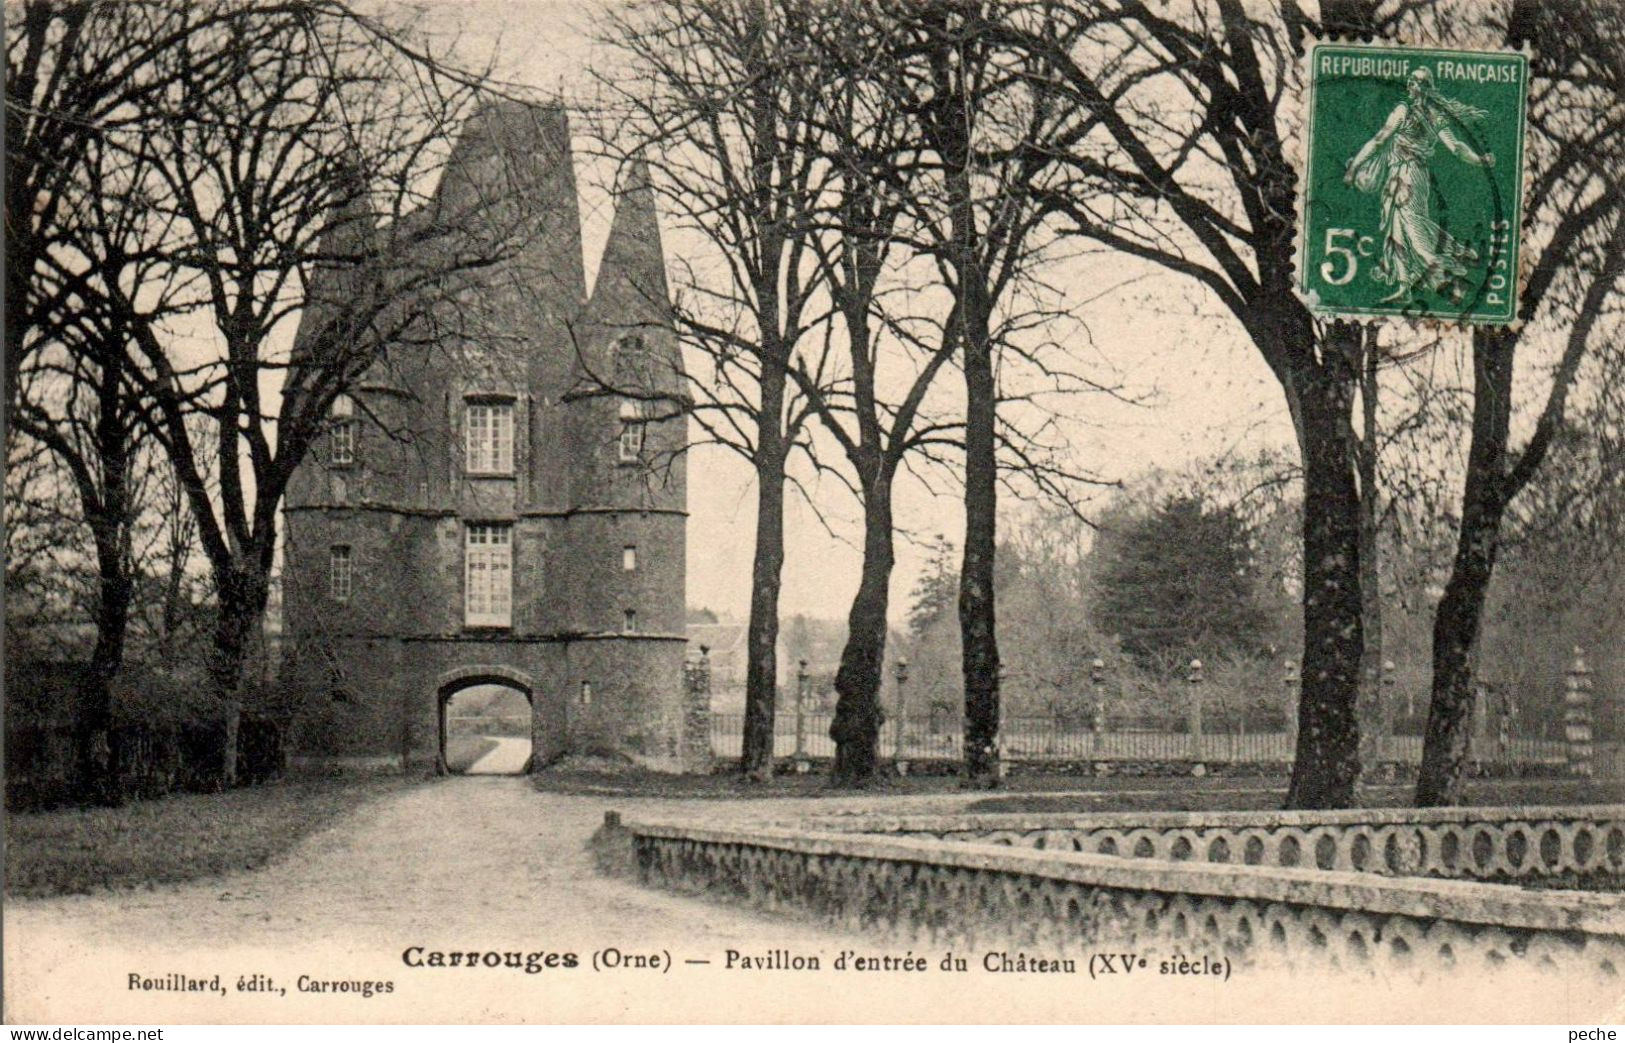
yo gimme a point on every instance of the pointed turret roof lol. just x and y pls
(632, 271)
(630, 304)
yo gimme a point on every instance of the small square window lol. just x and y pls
(629, 558)
(338, 573)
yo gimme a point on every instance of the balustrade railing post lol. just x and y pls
(1577, 715)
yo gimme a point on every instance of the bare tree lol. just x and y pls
(77, 72)
(1576, 118)
(79, 404)
(716, 98)
(988, 129)
(69, 381)
(868, 377)
(1210, 197)
(279, 168)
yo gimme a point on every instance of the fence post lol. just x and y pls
(1194, 677)
(1480, 741)
(901, 670)
(1390, 728)
(1289, 683)
(1577, 715)
(801, 713)
(1097, 677)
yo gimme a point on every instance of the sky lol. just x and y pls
(1203, 388)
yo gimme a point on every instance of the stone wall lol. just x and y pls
(1074, 904)
(1469, 843)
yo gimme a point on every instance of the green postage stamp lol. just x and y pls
(1413, 191)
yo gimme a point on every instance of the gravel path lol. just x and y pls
(508, 758)
(465, 863)
(483, 864)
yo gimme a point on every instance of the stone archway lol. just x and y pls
(461, 679)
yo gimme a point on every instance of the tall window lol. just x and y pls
(341, 436)
(630, 622)
(488, 590)
(489, 438)
(629, 558)
(631, 430)
(338, 573)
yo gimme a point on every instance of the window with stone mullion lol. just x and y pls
(490, 438)
(488, 600)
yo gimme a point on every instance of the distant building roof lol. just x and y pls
(718, 637)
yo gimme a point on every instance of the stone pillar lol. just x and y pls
(1577, 715)
(697, 714)
(1368, 714)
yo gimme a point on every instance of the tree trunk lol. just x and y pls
(226, 675)
(979, 641)
(858, 717)
(1327, 762)
(762, 636)
(242, 598)
(1458, 620)
(96, 733)
(110, 514)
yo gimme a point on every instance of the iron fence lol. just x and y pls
(1040, 739)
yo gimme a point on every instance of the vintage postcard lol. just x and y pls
(812, 511)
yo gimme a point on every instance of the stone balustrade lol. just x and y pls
(1473, 843)
(1060, 902)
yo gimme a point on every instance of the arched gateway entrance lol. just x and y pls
(486, 716)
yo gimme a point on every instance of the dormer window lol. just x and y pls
(488, 438)
(341, 434)
(632, 421)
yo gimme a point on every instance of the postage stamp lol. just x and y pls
(1412, 195)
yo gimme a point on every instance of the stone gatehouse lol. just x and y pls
(502, 499)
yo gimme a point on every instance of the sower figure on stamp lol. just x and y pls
(1416, 250)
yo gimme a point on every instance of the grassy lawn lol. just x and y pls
(177, 838)
(463, 750)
